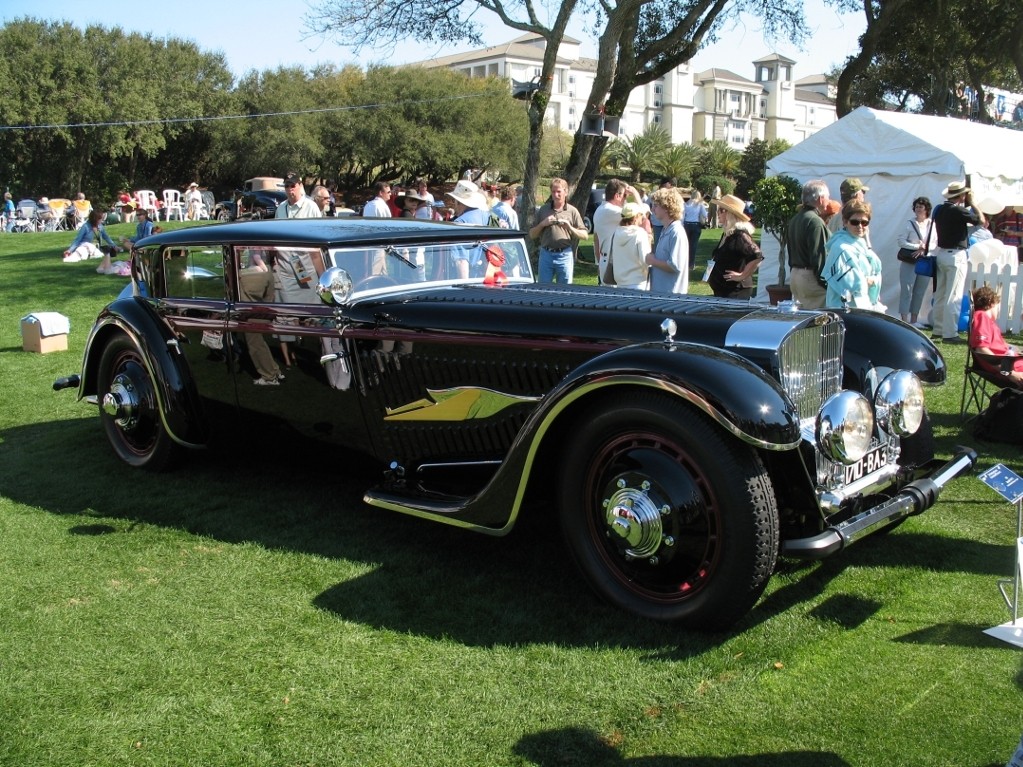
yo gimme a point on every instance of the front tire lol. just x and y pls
(129, 410)
(666, 516)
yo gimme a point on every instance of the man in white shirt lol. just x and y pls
(377, 207)
(607, 217)
(297, 205)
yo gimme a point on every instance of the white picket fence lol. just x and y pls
(1006, 279)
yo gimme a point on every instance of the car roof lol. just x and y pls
(329, 231)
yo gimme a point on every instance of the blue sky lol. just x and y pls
(254, 39)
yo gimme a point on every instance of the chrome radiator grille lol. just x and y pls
(810, 366)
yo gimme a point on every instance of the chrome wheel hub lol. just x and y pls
(121, 403)
(634, 520)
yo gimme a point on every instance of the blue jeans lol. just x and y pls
(556, 263)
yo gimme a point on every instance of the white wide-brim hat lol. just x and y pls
(468, 194)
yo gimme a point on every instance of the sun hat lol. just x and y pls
(410, 195)
(851, 186)
(955, 189)
(633, 209)
(468, 194)
(989, 206)
(196, 185)
(733, 205)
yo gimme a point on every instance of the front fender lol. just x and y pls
(875, 341)
(735, 393)
(177, 395)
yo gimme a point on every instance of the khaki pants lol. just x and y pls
(806, 290)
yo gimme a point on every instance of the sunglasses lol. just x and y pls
(859, 221)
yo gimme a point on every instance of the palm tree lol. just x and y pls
(679, 161)
(720, 159)
(640, 153)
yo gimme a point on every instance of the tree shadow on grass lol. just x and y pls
(581, 747)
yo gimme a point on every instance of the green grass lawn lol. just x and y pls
(248, 609)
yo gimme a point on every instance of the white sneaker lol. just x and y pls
(266, 382)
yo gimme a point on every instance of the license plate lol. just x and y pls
(868, 464)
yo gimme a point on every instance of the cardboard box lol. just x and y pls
(44, 332)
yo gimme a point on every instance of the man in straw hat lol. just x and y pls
(952, 220)
(470, 206)
(559, 228)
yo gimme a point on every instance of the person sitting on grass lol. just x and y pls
(143, 228)
(88, 243)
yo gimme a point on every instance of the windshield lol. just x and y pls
(476, 261)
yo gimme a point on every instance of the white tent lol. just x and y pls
(900, 157)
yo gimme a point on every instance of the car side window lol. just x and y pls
(292, 273)
(194, 271)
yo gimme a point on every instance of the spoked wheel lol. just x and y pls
(666, 516)
(129, 410)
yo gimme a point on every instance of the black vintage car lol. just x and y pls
(682, 443)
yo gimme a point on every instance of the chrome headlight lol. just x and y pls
(899, 403)
(334, 287)
(845, 425)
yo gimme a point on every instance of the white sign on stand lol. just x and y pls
(1009, 485)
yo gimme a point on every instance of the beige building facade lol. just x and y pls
(715, 104)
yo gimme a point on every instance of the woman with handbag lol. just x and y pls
(628, 249)
(916, 242)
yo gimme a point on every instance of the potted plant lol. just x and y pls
(776, 200)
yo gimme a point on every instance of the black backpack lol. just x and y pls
(1002, 419)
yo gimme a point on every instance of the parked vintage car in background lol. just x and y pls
(258, 198)
(683, 443)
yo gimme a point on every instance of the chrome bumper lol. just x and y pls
(914, 498)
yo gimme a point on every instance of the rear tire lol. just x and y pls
(666, 516)
(129, 410)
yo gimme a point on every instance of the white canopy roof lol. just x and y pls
(867, 142)
(900, 157)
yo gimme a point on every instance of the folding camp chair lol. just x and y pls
(59, 210)
(25, 218)
(981, 370)
(82, 209)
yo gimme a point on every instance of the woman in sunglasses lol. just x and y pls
(851, 269)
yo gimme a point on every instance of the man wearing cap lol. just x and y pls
(952, 220)
(559, 228)
(851, 189)
(807, 245)
(297, 205)
(378, 207)
(608, 216)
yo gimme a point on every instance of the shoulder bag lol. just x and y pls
(925, 265)
(908, 255)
